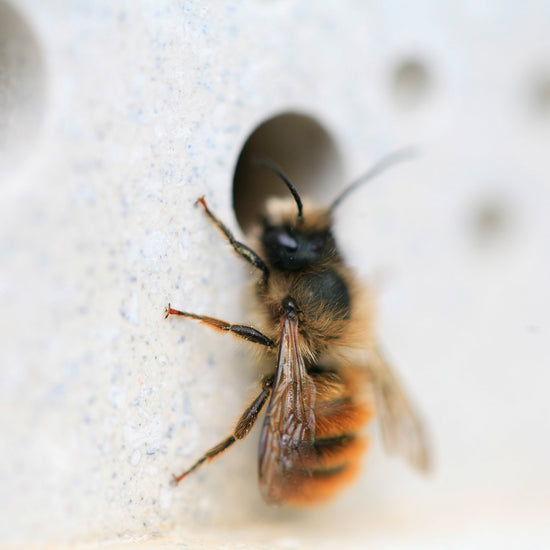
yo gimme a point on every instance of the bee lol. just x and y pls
(330, 377)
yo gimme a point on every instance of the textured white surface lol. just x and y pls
(115, 117)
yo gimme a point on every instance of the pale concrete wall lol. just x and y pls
(116, 116)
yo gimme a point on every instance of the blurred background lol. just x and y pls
(116, 116)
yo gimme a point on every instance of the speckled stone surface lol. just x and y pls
(116, 116)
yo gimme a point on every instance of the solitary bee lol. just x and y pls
(330, 377)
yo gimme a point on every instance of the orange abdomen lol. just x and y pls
(341, 411)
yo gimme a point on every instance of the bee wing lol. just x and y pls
(286, 443)
(402, 430)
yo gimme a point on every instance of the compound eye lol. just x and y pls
(317, 243)
(287, 242)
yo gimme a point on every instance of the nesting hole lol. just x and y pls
(411, 84)
(22, 89)
(492, 222)
(540, 95)
(304, 150)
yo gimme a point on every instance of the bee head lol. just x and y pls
(294, 236)
(292, 243)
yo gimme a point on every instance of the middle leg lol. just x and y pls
(243, 331)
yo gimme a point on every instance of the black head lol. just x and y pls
(292, 241)
(291, 249)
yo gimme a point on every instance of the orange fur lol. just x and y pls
(323, 486)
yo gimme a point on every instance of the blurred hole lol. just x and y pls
(302, 148)
(411, 84)
(21, 82)
(540, 95)
(492, 222)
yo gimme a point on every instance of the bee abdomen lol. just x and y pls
(339, 447)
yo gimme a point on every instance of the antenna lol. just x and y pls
(378, 168)
(270, 165)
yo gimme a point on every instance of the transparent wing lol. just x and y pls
(286, 444)
(402, 429)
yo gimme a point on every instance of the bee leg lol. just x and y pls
(243, 427)
(247, 253)
(247, 333)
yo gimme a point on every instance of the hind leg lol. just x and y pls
(243, 427)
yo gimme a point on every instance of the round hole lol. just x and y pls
(411, 84)
(302, 148)
(21, 82)
(492, 222)
(540, 95)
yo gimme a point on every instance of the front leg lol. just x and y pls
(241, 249)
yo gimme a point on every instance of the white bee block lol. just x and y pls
(116, 116)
